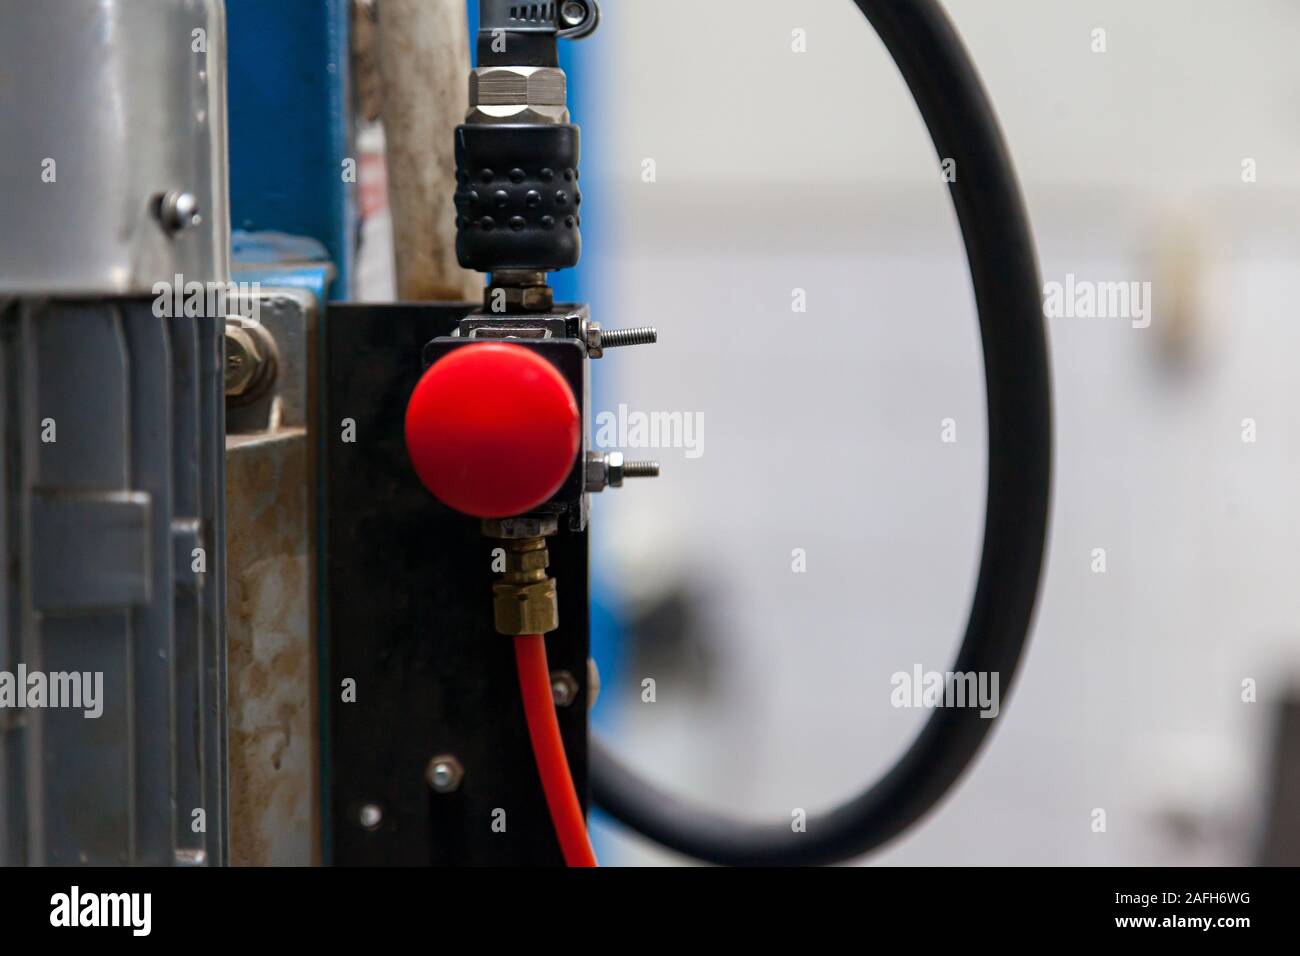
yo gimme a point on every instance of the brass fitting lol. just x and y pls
(524, 599)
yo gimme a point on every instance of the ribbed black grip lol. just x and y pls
(517, 197)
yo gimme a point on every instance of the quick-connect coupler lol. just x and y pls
(517, 196)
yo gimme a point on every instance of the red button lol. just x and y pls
(492, 430)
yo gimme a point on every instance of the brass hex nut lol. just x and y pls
(527, 562)
(525, 608)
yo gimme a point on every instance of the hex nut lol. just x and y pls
(507, 529)
(525, 609)
(614, 469)
(526, 561)
(517, 86)
(517, 94)
(243, 356)
(597, 471)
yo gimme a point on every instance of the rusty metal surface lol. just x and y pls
(270, 600)
(272, 665)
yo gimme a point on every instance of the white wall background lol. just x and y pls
(778, 170)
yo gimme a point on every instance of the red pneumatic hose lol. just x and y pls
(548, 751)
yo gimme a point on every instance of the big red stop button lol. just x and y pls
(492, 430)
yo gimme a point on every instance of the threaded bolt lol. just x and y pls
(617, 338)
(611, 469)
(599, 339)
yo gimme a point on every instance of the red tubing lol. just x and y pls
(548, 751)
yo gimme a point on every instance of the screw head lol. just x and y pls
(573, 13)
(444, 774)
(178, 210)
(370, 816)
(564, 689)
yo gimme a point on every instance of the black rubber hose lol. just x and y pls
(1004, 271)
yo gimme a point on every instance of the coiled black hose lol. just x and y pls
(1004, 271)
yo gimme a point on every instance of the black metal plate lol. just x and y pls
(408, 615)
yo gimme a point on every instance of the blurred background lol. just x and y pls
(760, 187)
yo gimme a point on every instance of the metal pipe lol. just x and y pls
(424, 60)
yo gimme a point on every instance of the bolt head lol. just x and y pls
(179, 210)
(564, 689)
(187, 210)
(242, 358)
(444, 774)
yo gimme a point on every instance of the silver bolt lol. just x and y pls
(617, 338)
(178, 210)
(564, 689)
(641, 469)
(444, 774)
(599, 339)
(370, 816)
(620, 469)
(608, 469)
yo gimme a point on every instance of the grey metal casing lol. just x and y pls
(112, 541)
(119, 101)
(113, 554)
